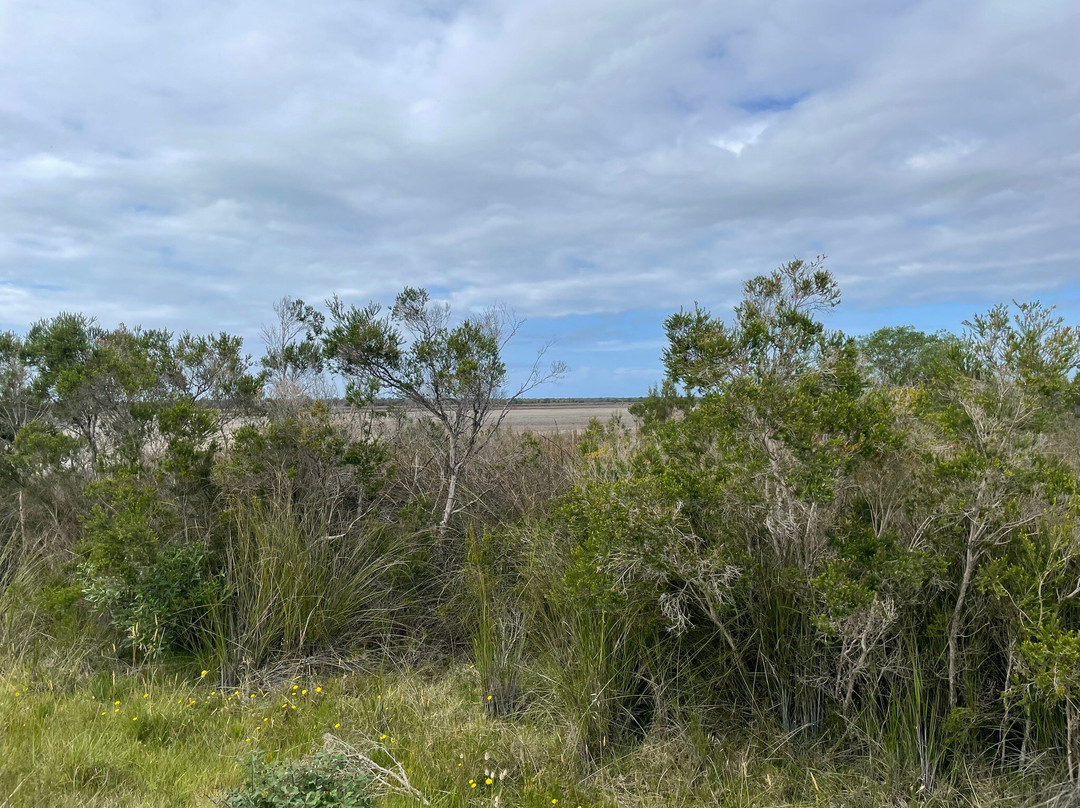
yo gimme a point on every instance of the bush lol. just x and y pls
(320, 780)
(154, 588)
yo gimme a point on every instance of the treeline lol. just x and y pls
(870, 545)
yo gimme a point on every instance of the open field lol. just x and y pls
(562, 415)
(569, 416)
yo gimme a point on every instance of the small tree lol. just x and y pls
(456, 374)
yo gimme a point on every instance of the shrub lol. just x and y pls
(319, 780)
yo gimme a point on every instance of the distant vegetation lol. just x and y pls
(821, 571)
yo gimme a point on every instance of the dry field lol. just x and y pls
(571, 415)
(565, 417)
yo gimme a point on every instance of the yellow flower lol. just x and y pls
(472, 785)
(489, 781)
(318, 690)
(554, 801)
(265, 720)
(489, 698)
(382, 737)
(146, 695)
(296, 687)
(336, 726)
(134, 718)
(103, 712)
(303, 692)
(252, 695)
(203, 673)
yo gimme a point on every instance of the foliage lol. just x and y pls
(155, 589)
(319, 780)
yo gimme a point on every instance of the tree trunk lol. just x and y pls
(970, 559)
(451, 497)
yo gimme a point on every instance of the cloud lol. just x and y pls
(193, 162)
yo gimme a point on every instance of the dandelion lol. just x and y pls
(134, 718)
(382, 737)
(489, 698)
(17, 694)
(318, 690)
(489, 781)
(146, 695)
(336, 726)
(116, 702)
(252, 695)
(265, 720)
(296, 687)
(203, 673)
(103, 712)
(472, 785)
(554, 801)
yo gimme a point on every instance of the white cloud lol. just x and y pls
(199, 160)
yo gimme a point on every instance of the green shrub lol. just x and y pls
(154, 589)
(320, 780)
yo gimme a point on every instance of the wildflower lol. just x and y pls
(252, 695)
(472, 785)
(134, 718)
(554, 801)
(146, 695)
(296, 687)
(336, 726)
(203, 673)
(382, 737)
(489, 698)
(318, 690)
(103, 712)
(114, 703)
(489, 781)
(265, 720)
(303, 692)
(17, 694)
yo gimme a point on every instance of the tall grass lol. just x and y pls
(294, 590)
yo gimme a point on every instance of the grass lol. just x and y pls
(160, 738)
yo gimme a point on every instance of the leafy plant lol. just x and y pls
(319, 780)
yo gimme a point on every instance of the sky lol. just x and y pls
(593, 164)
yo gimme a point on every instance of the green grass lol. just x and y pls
(176, 739)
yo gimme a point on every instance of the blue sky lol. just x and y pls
(595, 165)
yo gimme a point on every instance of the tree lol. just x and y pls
(293, 357)
(456, 374)
(1012, 377)
(902, 356)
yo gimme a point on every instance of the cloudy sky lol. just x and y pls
(594, 164)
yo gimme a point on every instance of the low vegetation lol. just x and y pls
(817, 571)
